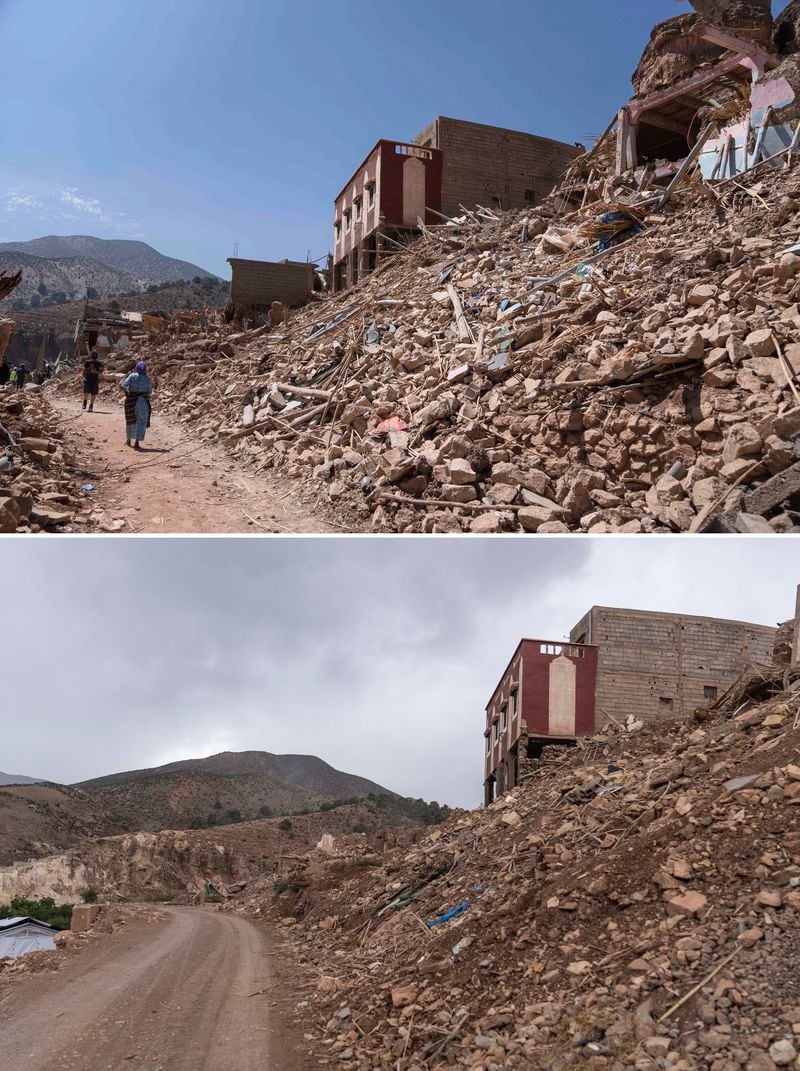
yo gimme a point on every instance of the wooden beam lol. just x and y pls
(666, 122)
(748, 49)
(623, 141)
(696, 81)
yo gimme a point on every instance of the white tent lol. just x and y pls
(21, 935)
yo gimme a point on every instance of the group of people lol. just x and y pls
(15, 376)
(138, 386)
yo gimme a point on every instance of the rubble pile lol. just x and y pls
(634, 904)
(491, 378)
(39, 485)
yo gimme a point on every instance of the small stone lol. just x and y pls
(403, 995)
(769, 898)
(782, 1052)
(751, 937)
(690, 903)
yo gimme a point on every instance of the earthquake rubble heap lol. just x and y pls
(619, 358)
(38, 482)
(634, 904)
(454, 389)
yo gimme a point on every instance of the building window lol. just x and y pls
(370, 195)
(709, 692)
(550, 648)
(347, 219)
(357, 209)
(512, 706)
(496, 731)
(413, 150)
(504, 716)
(337, 228)
(488, 744)
(530, 195)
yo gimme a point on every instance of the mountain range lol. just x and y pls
(65, 266)
(17, 779)
(38, 819)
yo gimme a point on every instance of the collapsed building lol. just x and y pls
(620, 665)
(257, 284)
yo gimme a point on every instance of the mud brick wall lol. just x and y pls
(486, 162)
(260, 282)
(656, 666)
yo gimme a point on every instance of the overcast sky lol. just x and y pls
(378, 655)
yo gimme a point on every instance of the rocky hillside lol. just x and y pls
(484, 381)
(176, 863)
(60, 280)
(306, 772)
(38, 819)
(136, 259)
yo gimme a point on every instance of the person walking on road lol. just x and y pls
(91, 379)
(138, 387)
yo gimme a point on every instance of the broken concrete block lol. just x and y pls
(760, 343)
(743, 441)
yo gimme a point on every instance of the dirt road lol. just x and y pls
(189, 994)
(174, 484)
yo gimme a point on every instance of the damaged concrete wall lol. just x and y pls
(655, 666)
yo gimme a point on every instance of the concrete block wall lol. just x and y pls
(655, 666)
(483, 162)
(260, 282)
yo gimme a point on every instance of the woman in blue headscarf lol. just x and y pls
(138, 387)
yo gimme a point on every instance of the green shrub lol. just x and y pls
(46, 910)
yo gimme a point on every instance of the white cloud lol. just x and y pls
(40, 202)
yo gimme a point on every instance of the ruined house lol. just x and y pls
(393, 188)
(653, 666)
(256, 284)
(545, 696)
(619, 664)
(450, 163)
(727, 64)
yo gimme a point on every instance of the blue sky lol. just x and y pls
(193, 124)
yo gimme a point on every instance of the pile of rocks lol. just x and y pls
(490, 378)
(635, 904)
(39, 486)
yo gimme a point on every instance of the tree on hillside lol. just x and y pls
(35, 301)
(91, 293)
(42, 289)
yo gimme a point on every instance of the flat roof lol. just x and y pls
(669, 613)
(504, 129)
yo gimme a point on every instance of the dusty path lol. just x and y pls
(174, 484)
(189, 994)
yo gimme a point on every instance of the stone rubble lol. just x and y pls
(656, 390)
(634, 904)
